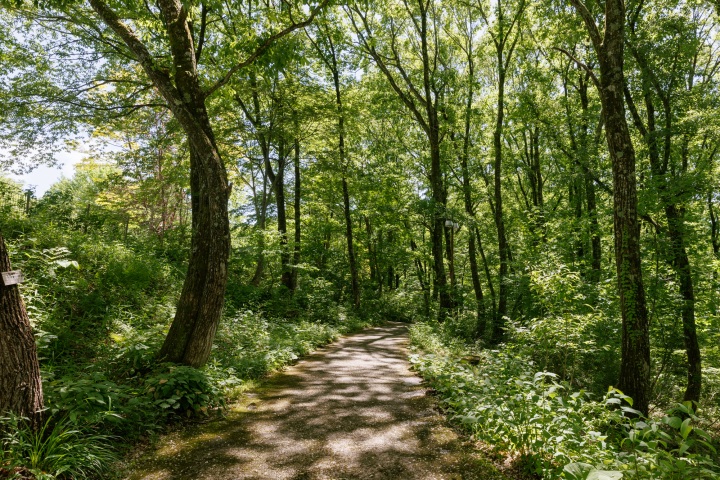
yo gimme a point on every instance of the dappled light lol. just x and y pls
(351, 410)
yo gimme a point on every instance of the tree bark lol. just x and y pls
(498, 328)
(20, 385)
(200, 305)
(296, 214)
(634, 378)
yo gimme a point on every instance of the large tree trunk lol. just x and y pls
(192, 332)
(200, 305)
(635, 362)
(20, 385)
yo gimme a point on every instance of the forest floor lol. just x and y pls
(351, 410)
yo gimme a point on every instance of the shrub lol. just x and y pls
(57, 450)
(183, 391)
(558, 432)
(94, 400)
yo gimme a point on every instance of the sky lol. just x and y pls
(43, 177)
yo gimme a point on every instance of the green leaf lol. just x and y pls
(674, 422)
(578, 470)
(685, 428)
(605, 475)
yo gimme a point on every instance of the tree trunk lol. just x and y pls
(200, 305)
(678, 257)
(590, 197)
(634, 378)
(278, 182)
(296, 213)
(260, 226)
(355, 285)
(498, 329)
(192, 332)
(438, 200)
(372, 258)
(681, 262)
(20, 385)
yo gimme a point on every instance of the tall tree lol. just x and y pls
(609, 46)
(127, 34)
(382, 36)
(668, 73)
(326, 46)
(503, 24)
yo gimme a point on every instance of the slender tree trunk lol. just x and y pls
(261, 225)
(498, 329)
(421, 274)
(372, 259)
(20, 385)
(472, 253)
(681, 262)
(355, 285)
(678, 257)
(438, 197)
(450, 254)
(590, 197)
(467, 196)
(296, 245)
(278, 182)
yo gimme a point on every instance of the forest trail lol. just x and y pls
(351, 410)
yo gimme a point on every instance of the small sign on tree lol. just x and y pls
(13, 277)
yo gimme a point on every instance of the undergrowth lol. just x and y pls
(552, 429)
(100, 309)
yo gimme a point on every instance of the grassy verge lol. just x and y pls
(550, 430)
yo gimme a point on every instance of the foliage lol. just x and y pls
(185, 391)
(253, 345)
(58, 450)
(557, 431)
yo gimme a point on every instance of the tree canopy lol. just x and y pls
(537, 178)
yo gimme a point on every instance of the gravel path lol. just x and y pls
(352, 410)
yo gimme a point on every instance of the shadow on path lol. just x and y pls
(352, 410)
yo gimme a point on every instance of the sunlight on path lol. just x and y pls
(352, 410)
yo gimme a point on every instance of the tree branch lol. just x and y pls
(580, 64)
(592, 28)
(264, 46)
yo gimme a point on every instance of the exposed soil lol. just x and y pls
(352, 410)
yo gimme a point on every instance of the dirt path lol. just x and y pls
(352, 410)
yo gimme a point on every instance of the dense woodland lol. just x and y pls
(532, 186)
